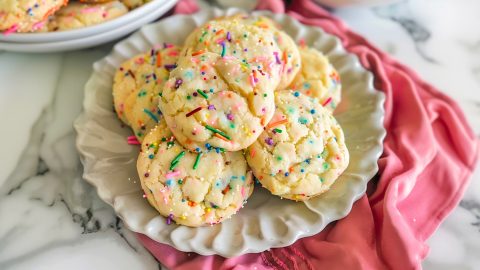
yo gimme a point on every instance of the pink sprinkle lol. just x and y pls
(220, 40)
(243, 191)
(132, 140)
(10, 30)
(38, 25)
(229, 57)
(252, 80)
(89, 10)
(230, 116)
(327, 101)
(172, 174)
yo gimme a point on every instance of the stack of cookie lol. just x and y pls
(239, 101)
(59, 15)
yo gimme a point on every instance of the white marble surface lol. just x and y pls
(51, 219)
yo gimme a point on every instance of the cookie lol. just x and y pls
(192, 189)
(137, 85)
(216, 101)
(302, 151)
(26, 15)
(77, 15)
(131, 4)
(288, 56)
(253, 46)
(318, 78)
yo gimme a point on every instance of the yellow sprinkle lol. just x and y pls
(208, 209)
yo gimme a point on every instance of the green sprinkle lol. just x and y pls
(277, 130)
(326, 166)
(197, 160)
(202, 93)
(264, 95)
(189, 97)
(142, 93)
(302, 120)
(223, 49)
(176, 160)
(159, 94)
(232, 125)
(279, 158)
(322, 180)
(153, 116)
(214, 130)
(164, 139)
(180, 181)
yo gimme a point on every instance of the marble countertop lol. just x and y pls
(52, 219)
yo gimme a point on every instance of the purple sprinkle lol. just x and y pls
(276, 58)
(169, 219)
(230, 116)
(245, 50)
(170, 67)
(211, 107)
(269, 141)
(152, 52)
(178, 82)
(229, 36)
(195, 94)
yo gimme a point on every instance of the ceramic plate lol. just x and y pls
(266, 221)
(88, 36)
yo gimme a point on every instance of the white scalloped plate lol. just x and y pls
(266, 221)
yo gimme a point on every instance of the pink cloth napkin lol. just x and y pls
(430, 153)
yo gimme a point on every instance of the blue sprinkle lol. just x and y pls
(307, 161)
(312, 111)
(208, 146)
(217, 150)
(287, 174)
(243, 177)
(234, 177)
(151, 156)
(296, 94)
(211, 90)
(302, 170)
(197, 150)
(169, 182)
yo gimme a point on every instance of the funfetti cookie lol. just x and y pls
(188, 188)
(288, 56)
(302, 151)
(318, 78)
(137, 86)
(255, 48)
(215, 101)
(78, 15)
(26, 15)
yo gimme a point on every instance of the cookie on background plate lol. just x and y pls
(77, 15)
(137, 85)
(302, 151)
(215, 101)
(288, 56)
(26, 15)
(318, 78)
(192, 189)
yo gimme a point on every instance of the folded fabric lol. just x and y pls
(429, 155)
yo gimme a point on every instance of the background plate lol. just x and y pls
(266, 221)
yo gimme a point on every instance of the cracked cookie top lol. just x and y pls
(302, 150)
(216, 101)
(137, 86)
(192, 188)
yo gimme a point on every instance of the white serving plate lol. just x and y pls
(266, 221)
(121, 21)
(89, 41)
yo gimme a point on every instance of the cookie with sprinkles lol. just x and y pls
(288, 56)
(138, 84)
(302, 151)
(192, 188)
(77, 15)
(318, 78)
(216, 101)
(253, 46)
(26, 15)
